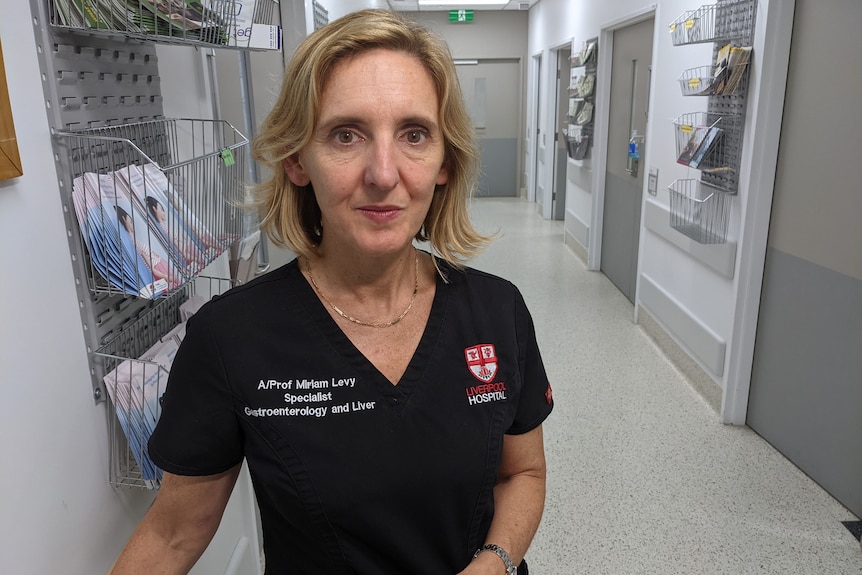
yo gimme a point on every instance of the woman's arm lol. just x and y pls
(519, 499)
(178, 527)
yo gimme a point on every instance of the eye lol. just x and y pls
(345, 137)
(415, 136)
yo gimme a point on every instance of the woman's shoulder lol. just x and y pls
(260, 293)
(477, 281)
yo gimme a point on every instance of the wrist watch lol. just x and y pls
(511, 568)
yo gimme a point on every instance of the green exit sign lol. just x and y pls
(460, 15)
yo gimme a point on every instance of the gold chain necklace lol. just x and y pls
(359, 321)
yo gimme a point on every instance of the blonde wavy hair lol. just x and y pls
(290, 215)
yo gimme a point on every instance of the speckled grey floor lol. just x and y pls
(642, 476)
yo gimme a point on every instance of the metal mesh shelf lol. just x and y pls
(699, 211)
(703, 141)
(708, 81)
(712, 23)
(155, 201)
(135, 378)
(240, 24)
(578, 141)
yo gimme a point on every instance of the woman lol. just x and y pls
(389, 403)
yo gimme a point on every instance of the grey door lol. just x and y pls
(806, 382)
(492, 90)
(632, 54)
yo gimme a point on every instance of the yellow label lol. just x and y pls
(672, 27)
(686, 129)
(694, 83)
(689, 23)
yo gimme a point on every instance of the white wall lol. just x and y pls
(59, 514)
(704, 300)
(338, 8)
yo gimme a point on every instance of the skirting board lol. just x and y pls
(577, 248)
(577, 229)
(706, 347)
(719, 257)
(699, 380)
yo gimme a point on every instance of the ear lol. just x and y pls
(443, 176)
(295, 171)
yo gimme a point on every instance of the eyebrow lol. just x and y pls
(357, 121)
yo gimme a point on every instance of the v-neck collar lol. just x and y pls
(396, 396)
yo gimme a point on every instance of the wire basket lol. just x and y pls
(246, 24)
(155, 201)
(578, 139)
(136, 363)
(725, 79)
(699, 211)
(702, 141)
(715, 22)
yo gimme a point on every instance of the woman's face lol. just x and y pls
(376, 154)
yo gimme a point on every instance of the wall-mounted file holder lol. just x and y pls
(578, 132)
(136, 362)
(712, 141)
(699, 211)
(711, 23)
(241, 24)
(103, 101)
(155, 201)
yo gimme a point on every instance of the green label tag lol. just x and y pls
(227, 157)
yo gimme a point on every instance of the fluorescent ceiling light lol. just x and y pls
(462, 3)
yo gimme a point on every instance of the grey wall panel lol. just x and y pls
(499, 176)
(807, 400)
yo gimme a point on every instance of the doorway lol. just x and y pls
(492, 92)
(537, 165)
(539, 140)
(561, 108)
(624, 175)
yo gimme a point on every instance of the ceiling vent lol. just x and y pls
(524, 6)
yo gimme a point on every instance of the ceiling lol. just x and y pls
(413, 6)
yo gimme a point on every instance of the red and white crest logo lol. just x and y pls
(482, 361)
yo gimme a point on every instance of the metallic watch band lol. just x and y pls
(511, 568)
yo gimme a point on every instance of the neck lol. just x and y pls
(378, 298)
(343, 270)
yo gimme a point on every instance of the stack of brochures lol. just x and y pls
(136, 387)
(702, 142)
(221, 22)
(143, 239)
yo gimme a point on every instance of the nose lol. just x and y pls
(381, 170)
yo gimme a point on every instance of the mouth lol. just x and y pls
(380, 214)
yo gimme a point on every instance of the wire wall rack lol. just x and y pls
(699, 211)
(240, 24)
(578, 130)
(714, 22)
(136, 362)
(155, 201)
